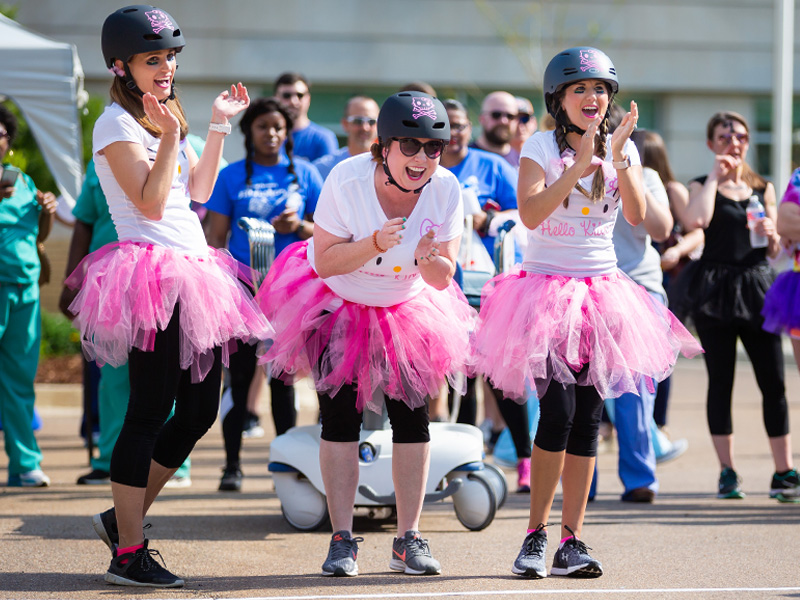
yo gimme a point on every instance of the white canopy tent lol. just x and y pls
(44, 79)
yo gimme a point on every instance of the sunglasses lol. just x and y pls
(742, 138)
(290, 95)
(5, 134)
(411, 147)
(459, 127)
(524, 118)
(355, 120)
(499, 114)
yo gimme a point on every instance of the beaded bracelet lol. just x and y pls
(375, 242)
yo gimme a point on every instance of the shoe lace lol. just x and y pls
(417, 546)
(146, 560)
(576, 543)
(534, 544)
(344, 547)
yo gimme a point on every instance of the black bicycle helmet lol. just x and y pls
(136, 29)
(414, 115)
(574, 64)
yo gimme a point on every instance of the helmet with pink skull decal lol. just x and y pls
(575, 64)
(413, 115)
(136, 29)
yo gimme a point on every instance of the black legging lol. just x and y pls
(766, 355)
(569, 419)
(284, 414)
(157, 382)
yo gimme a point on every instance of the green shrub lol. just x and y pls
(59, 337)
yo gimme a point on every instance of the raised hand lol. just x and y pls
(160, 115)
(586, 148)
(427, 249)
(229, 104)
(390, 234)
(624, 130)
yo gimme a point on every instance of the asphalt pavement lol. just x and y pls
(688, 544)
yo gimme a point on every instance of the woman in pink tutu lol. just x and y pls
(569, 322)
(160, 299)
(368, 307)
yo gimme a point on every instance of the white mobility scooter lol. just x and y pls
(457, 470)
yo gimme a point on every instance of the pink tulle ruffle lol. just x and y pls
(128, 291)
(406, 350)
(535, 328)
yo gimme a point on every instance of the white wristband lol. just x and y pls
(220, 127)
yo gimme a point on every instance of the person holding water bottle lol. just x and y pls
(736, 207)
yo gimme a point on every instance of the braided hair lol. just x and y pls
(258, 107)
(563, 126)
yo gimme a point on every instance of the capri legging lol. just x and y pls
(341, 422)
(569, 419)
(156, 382)
(764, 349)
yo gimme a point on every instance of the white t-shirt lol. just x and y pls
(575, 241)
(348, 208)
(180, 227)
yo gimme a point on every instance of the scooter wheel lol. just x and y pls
(302, 505)
(498, 479)
(476, 502)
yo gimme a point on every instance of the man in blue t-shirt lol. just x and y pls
(311, 141)
(360, 123)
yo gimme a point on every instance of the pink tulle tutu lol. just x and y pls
(406, 350)
(534, 328)
(128, 291)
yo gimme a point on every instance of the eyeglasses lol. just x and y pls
(356, 120)
(458, 127)
(524, 118)
(727, 138)
(499, 114)
(290, 95)
(411, 147)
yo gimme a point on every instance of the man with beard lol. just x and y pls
(360, 123)
(498, 119)
(311, 141)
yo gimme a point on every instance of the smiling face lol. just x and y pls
(460, 133)
(410, 171)
(268, 133)
(585, 101)
(153, 72)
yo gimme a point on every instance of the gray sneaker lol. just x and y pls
(572, 560)
(342, 554)
(412, 555)
(531, 558)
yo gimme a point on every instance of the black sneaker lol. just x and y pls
(412, 555)
(96, 477)
(531, 558)
(231, 480)
(787, 485)
(572, 559)
(141, 569)
(105, 524)
(342, 555)
(729, 485)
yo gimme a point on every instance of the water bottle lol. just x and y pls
(755, 213)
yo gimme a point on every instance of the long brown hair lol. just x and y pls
(132, 103)
(750, 177)
(654, 154)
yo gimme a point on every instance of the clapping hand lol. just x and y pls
(229, 104)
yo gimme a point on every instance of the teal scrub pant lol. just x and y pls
(112, 403)
(20, 336)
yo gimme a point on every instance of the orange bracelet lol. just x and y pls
(375, 242)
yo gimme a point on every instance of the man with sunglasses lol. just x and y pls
(311, 141)
(360, 123)
(498, 119)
